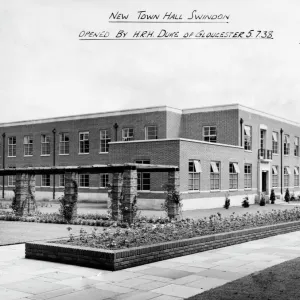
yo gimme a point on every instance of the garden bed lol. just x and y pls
(125, 258)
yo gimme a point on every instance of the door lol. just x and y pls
(264, 182)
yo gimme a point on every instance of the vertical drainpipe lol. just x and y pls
(241, 122)
(281, 156)
(3, 162)
(116, 131)
(54, 131)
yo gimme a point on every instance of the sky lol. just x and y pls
(46, 71)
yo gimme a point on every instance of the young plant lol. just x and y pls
(272, 197)
(245, 202)
(262, 201)
(287, 197)
(227, 201)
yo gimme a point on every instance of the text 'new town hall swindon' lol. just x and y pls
(219, 149)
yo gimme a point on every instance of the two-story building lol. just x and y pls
(221, 149)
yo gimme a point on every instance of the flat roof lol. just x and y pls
(164, 108)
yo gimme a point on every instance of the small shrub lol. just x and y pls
(293, 198)
(245, 202)
(262, 201)
(272, 197)
(287, 197)
(227, 201)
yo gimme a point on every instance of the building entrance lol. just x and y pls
(264, 185)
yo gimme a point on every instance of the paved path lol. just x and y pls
(171, 279)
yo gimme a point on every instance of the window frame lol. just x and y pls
(296, 146)
(127, 134)
(194, 175)
(63, 144)
(11, 180)
(46, 144)
(83, 141)
(286, 145)
(215, 177)
(104, 176)
(155, 135)
(12, 147)
(141, 177)
(296, 177)
(48, 180)
(247, 176)
(275, 143)
(275, 177)
(28, 146)
(210, 138)
(106, 138)
(233, 176)
(61, 179)
(286, 176)
(248, 139)
(84, 180)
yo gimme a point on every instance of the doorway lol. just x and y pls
(264, 180)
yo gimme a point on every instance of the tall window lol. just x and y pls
(194, 174)
(61, 180)
(296, 146)
(274, 176)
(233, 176)
(296, 176)
(127, 134)
(210, 134)
(286, 176)
(45, 180)
(104, 179)
(151, 132)
(104, 140)
(262, 138)
(64, 143)
(275, 142)
(84, 143)
(12, 146)
(28, 145)
(84, 180)
(143, 179)
(214, 175)
(248, 176)
(11, 180)
(45, 144)
(247, 137)
(286, 145)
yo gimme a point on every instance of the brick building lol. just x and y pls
(219, 149)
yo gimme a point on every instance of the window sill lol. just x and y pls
(103, 188)
(64, 154)
(249, 151)
(233, 190)
(248, 189)
(45, 155)
(144, 191)
(45, 186)
(103, 152)
(11, 156)
(28, 155)
(276, 154)
(83, 153)
(193, 191)
(84, 187)
(215, 191)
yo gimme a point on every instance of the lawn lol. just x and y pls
(279, 282)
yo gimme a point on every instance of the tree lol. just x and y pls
(287, 197)
(272, 197)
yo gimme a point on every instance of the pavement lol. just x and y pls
(172, 279)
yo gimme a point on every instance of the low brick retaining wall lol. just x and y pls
(126, 258)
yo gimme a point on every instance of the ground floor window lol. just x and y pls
(296, 176)
(194, 174)
(84, 180)
(143, 180)
(214, 175)
(45, 180)
(274, 176)
(248, 176)
(11, 180)
(286, 176)
(62, 180)
(233, 176)
(104, 179)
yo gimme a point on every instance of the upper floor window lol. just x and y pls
(233, 176)
(12, 146)
(210, 134)
(84, 143)
(247, 137)
(296, 176)
(104, 140)
(286, 176)
(84, 180)
(127, 134)
(286, 145)
(275, 142)
(296, 146)
(214, 175)
(104, 179)
(28, 145)
(274, 176)
(64, 143)
(248, 176)
(45, 144)
(143, 180)
(194, 174)
(151, 132)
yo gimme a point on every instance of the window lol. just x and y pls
(143, 180)
(286, 176)
(214, 175)
(61, 180)
(296, 146)
(262, 138)
(296, 176)
(11, 180)
(274, 176)
(275, 142)
(248, 176)
(28, 145)
(45, 144)
(12, 144)
(233, 176)
(104, 179)
(286, 145)
(194, 175)
(64, 143)
(45, 180)
(151, 132)
(104, 140)
(210, 134)
(247, 137)
(84, 180)
(127, 134)
(84, 143)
